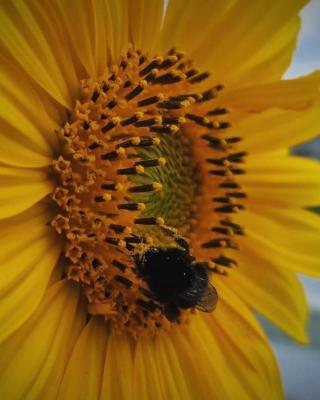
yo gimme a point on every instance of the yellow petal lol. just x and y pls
(118, 368)
(281, 181)
(33, 358)
(225, 355)
(27, 129)
(296, 94)
(18, 132)
(146, 374)
(27, 261)
(273, 291)
(288, 237)
(171, 370)
(17, 90)
(145, 19)
(24, 40)
(82, 378)
(184, 23)
(97, 29)
(252, 369)
(21, 188)
(226, 38)
(277, 128)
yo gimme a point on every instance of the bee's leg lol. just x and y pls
(180, 240)
(172, 312)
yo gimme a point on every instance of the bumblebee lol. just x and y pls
(176, 280)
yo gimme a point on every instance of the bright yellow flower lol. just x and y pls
(128, 132)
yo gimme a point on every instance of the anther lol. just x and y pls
(153, 64)
(94, 145)
(149, 221)
(220, 172)
(191, 73)
(218, 161)
(218, 111)
(86, 125)
(142, 60)
(95, 96)
(152, 76)
(223, 231)
(127, 83)
(132, 206)
(136, 170)
(215, 243)
(117, 228)
(112, 104)
(213, 140)
(153, 187)
(105, 87)
(200, 77)
(169, 61)
(124, 281)
(222, 200)
(134, 239)
(122, 267)
(239, 195)
(132, 142)
(148, 122)
(229, 185)
(152, 163)
(174, 120)
(173, 105)
(148, 305)
(228, 209)
(203, 121)
(112, 186)
(233, 140)
(237, 157)
(102, 198)
(115, 241)
(136, 91)
(131, 120)
(164, 128)
(236, 227)
(110, 125)
(224, 261)
(168, 78)
(150, 100)
(113, 155)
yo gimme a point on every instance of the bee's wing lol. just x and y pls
(208, 299)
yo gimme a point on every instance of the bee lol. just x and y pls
(176, 280)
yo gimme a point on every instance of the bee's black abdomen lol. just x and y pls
(167, 271)
(176, 280)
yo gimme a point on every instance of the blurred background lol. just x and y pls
(300, 365)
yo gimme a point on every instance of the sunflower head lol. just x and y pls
(144, 149)
(138, 152)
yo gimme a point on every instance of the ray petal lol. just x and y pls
(44, 342)
(27, 262)
(83, 376)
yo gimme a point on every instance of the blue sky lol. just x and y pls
(307, 56)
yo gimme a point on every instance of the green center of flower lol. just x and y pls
(179, 180)
(130, 182)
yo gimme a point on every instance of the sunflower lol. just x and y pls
(149, 203)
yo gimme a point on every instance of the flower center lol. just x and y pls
(129, 184)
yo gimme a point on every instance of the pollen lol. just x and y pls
(130, 177)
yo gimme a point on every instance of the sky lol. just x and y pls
(307, 56)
